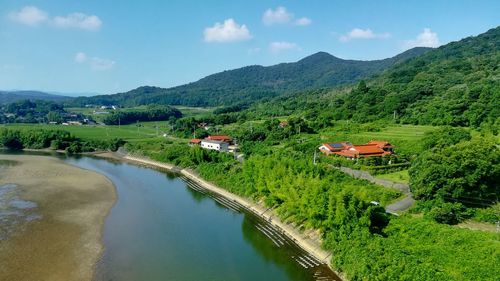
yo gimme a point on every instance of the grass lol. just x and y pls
(400, 176)
(195, 111)
(132, 132)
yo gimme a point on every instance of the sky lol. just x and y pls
(102, 46)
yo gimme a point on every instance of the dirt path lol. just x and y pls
(63, 241)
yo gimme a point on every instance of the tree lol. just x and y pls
(468, 172)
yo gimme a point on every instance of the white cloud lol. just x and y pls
(78, 20)
(95, 63)
(281, 15)
(358, 33)
(425, 39)
(229, 31)
(278, 16)
(101, 64)
(33, 16)
(277, 47)
(80, 57)
(29, 15)
(303, 21)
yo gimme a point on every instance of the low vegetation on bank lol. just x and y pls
(53, 139)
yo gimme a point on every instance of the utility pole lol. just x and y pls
(235, 148)
(156, 128)
(314, 159)
(394, 116)
(119, 121)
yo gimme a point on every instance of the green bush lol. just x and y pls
(448, 213)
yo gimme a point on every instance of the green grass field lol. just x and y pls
(132, 132)
(401, 176)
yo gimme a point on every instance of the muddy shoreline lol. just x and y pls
(64, 240)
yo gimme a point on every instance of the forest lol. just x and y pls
(151, 113)
(254, 83)
(456, 84)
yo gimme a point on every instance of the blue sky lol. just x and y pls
(99, 46)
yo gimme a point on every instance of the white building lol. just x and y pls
(215, 145)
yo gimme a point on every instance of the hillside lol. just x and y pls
(456, 84)
(13, 96)
(251, 83)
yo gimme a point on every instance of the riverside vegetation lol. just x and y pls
(441, 111)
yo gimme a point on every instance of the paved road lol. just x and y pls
(401, 205)
(394, 208)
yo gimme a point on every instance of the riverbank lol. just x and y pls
(62, 238)
(310, 241)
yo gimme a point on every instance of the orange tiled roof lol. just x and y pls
(380, 143)
(195, 141)
(362, 150)
(219, 138)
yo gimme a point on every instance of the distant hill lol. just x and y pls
(252, 83)
(456, 84)
(13, 96)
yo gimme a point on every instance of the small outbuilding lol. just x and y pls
(193, 142)
(215, 145)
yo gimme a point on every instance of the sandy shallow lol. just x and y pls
(64, 242)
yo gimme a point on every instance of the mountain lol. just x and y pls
(13, 96)
(456, 84)
(252, 83)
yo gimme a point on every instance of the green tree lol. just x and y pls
(468, 172)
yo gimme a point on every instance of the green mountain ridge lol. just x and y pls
(456, 84)
(252, 83)
(13, 96)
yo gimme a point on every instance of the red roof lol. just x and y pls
(196, 141)
(363, 150)
(380, 144)
(219, 138)
(336, 146)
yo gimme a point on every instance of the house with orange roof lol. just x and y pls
(348, 150)
(195, 142)
(329, 148)
(222, 138)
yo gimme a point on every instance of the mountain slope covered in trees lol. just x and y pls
(14, 96)
(456, 84)
(251, 83)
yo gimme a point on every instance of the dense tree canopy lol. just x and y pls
(467, 172)
(151, 113)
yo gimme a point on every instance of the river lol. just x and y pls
(164, 227)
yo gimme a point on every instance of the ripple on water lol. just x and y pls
(14, 210)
